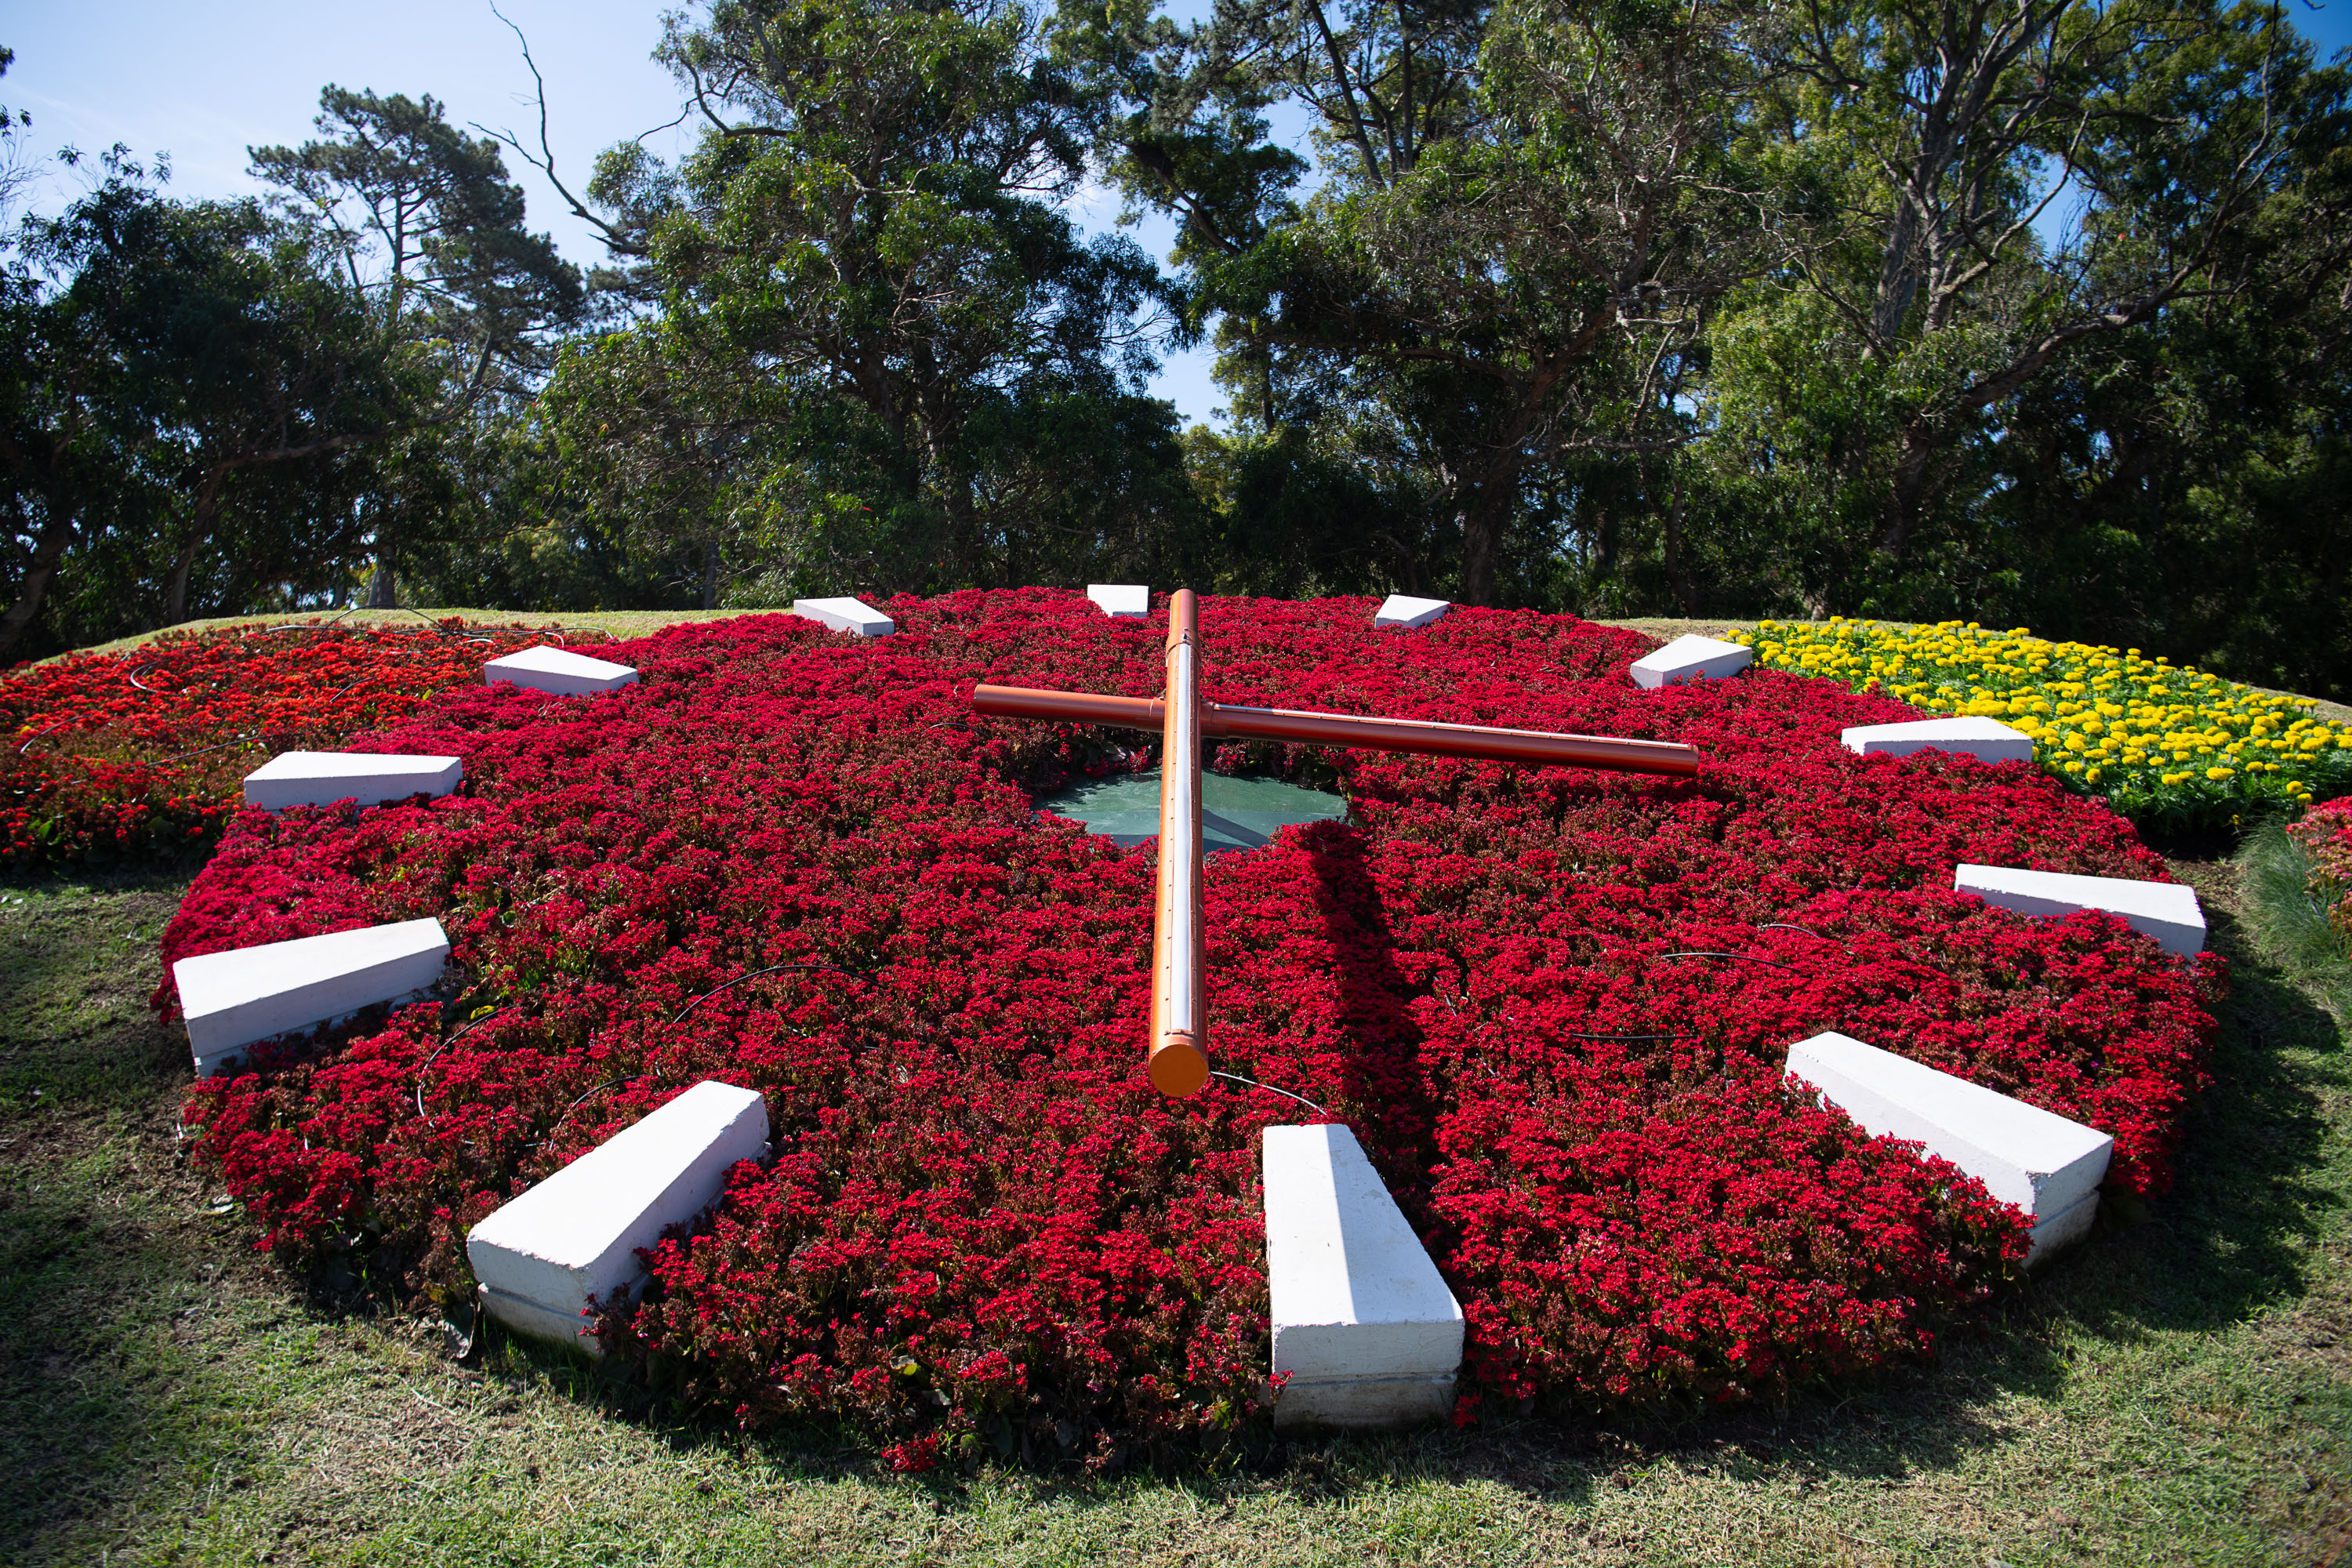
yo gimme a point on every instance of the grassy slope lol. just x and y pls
(2180, 1392)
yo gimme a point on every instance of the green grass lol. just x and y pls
(2288, 925)
(2180, 1392)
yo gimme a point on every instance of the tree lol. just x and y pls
(1925, 155)
(230, 399)
(191, 359)
(866, 254)
(16, 169)
(1526, 209)
(658, 445)
(427, 236)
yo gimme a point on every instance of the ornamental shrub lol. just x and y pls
(1553, 1003)
(144, 752)
(2162, 743)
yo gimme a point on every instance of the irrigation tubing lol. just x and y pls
(771, 969)
(1237, 1078)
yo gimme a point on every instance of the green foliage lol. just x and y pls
(228, 405)
(2033, 315)
(2289, 924)
(195, 377)
(874, 323)
(2125, 431)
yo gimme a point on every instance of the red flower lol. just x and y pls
(146, 750)
(981, 1227)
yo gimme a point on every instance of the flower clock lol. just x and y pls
(1554, 1003)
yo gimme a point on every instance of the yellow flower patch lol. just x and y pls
(2159, 740)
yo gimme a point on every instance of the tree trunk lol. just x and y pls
(710, 573)
(200, 527)
(48, 549)
(1678, 577)
(1482, 540)
(175, 594)
(1905, 488)
(383, 590)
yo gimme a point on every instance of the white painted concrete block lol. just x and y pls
(1987, 740)
(233, 999)
(2045, 1165)
(577, 1234)
(370, 778)
(1365, 1402)
(2063, 1230)
(540, 1322)
(558, 672)
(1131, 601)
(1404, 610)
(852, 616)
(1363, 1324)
(1692, 657)
(2169, 911)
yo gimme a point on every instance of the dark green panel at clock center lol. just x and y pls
(1235, 814)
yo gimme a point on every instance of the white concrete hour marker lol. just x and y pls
(370, 778)
(558, 672)
(1363, 1324)
(2045, 1165)
(1127, 601)
(578, 1233)
(2169, 911)
(233, 999)
(1987, 740)
(1405, 611)
(852, 616)
(1692, 657)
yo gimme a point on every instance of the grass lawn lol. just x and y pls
(2178, 1392)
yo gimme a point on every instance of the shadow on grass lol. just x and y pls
(77, 966)
(102, 1250)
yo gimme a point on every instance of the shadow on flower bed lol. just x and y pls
(2231, 1240)
(1384, 1076)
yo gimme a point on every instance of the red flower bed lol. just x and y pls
(2326, 834)
(142, 752)
(982, 1227)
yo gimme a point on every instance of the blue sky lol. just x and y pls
(204, 81)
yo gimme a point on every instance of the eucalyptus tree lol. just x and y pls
(1973, 195)
(425, 236)
(868, 248)
(2186, 485)
(1522, 212)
